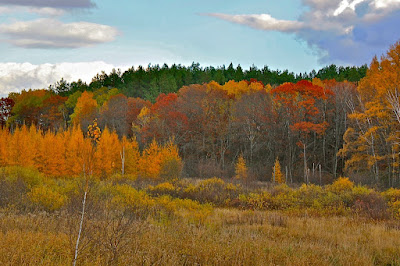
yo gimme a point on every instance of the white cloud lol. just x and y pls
(385, 3)
(18, 76)
(52, 33)
(5, 10)
(342, 30)
(345, 4)
(50, 3)
(262, 22)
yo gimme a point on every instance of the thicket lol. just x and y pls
(27, 190)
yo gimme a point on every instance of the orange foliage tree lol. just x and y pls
(371, 142)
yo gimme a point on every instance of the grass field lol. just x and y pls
(195, 222)
(228, 237)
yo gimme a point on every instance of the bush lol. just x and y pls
(163, 189)
(163, 208)
(171, 169)
(392, 194)
(47, 198)
(29, 176)
(308, 194)
(126, 198)
(340, 185)
(213, 190)
(372, 206)
(394, 208)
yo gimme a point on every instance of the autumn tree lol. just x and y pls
(107, 155)
(54, 113)
(84, 111)
(27, 107)
(300, 106)
(277, 173)
(241, 171)
(372, 140)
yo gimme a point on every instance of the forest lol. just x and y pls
(318, 126)
(217, 166)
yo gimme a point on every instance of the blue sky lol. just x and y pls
(44, 40)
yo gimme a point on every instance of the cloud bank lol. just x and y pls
(64, 4)
(15, 77)
(51, 33)
(342, 31)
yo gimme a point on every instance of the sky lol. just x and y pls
(42, 41)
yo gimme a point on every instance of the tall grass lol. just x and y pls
(229, 237)
(207, 222)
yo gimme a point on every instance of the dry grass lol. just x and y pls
(229, 237)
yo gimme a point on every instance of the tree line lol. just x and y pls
(148, 83)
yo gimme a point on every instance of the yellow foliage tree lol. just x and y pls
(277, 173)
(130, 148)
(84, 109)
(371, 141)
(76, 148)
(107, 154)
(150, 161)
(52, 154)
(241, 168)
(69, 153)
(171, 163)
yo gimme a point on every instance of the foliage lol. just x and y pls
(321, 124)
(340, 185)
(67, 153)
(47, 198)
(277, 173)
(241, 169)
(213, 190)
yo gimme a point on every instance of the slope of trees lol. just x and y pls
(317, 128)
(211, 124)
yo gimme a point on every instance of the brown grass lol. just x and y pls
(228, 237)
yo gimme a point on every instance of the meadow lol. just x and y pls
(195, 222)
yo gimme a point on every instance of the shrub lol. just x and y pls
(190, 210)
(163, 189)
(29, 176)
(171, 169)
(47, 198)
(372, 206)
(392, 194)
(340, 185)
(308, 194)
(126, 198)
(213, 190)
(163, 208)
(281, 189)
(394, 208)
